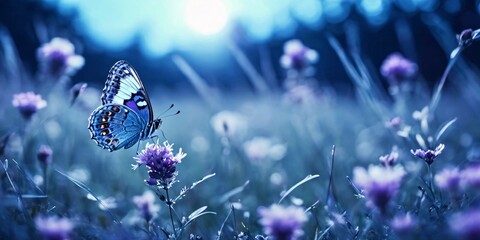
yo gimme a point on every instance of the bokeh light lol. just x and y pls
(206, 16)
(161, 27)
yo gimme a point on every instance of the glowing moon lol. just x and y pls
(206, 16)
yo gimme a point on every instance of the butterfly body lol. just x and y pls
(125, 116)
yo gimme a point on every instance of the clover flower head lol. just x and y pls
(466, 225)
(44, 155)
(470, 176)
(449, 179)
(281, 222)
(379, 184)
(146, 204)
(58, 57)
(404, 223)
(467, 37)
(430, 155)
(297, 56)
(28, 103)
(397, 69)
(389, 159)
(160, 162)
(54, 228)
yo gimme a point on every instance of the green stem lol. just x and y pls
(430, 182)
(437, 93)
(45, 179)
(169, 203)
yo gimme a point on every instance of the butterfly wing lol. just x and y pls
(123, 87)
(115, 126)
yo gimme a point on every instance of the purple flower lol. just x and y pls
(466, 225)
(53, 228)
(449, 179)
(146, 204)
(161, 163)
(282, 223)
(467, 36)
(44, 155)
(397, 69)
(296, 56)
(470, 176)
(379, 184)
(465, 39)
(58, 57)
(404, 223)
(429, 155)
(390, 159)
(28, 103)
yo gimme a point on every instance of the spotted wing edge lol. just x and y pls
(126, 130)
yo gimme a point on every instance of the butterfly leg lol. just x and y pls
(152, 137)
(163, 134)
(156, 137)
(138, 146)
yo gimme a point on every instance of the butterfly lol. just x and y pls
(125, 116)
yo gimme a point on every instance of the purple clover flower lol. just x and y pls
(390, 159)
(449, 179)
(397, 69)
(466, 225)
(379, 184)
(296, 56)
(28, 103)
(54, 228)
(58, 57)
(161, 164)
(282, 223)
(429, 155)
(404, 224)
(146, 204)
(44, 155)
(467, 37)
(470, 176)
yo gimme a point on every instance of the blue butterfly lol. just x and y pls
(125, 116)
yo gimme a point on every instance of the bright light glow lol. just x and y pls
(206, 16)
(372, 7)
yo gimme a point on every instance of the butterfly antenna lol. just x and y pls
(168, 109)
(178, 112)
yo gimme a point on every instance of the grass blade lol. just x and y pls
(306, 179)
(87, 189)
